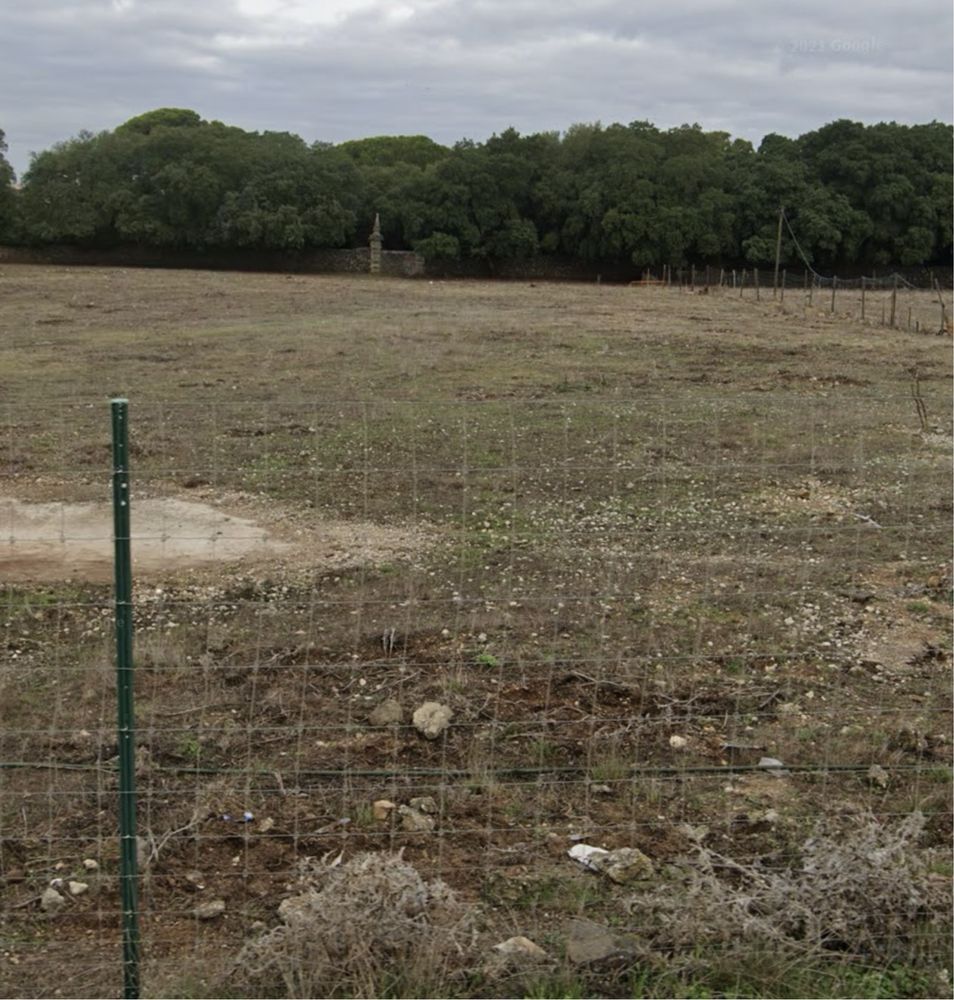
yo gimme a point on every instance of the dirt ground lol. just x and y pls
(636, 539)
(74, 541)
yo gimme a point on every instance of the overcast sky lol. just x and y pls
(342, 69)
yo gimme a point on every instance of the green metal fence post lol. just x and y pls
(128, 861)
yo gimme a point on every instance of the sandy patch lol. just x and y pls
(54, 541)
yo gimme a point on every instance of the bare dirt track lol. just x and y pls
(635, 538)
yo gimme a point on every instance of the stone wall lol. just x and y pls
(402, 264)
(542, 268)
(394, 263)
(353, 261)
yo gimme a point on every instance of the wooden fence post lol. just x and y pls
(755, 272)
(940, 299)
(742, 283)
(894, 301)
(834, 286)
(862, 299)
(781, 296)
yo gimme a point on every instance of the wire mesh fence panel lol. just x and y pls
(697, 629)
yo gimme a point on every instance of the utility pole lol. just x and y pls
(778, 249)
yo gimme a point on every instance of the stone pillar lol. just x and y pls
(375, 244)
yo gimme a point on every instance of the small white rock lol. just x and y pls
(209, 911)
(77, 888)
(91, 864)
(381, 809)
(625, 864)
(414, 821)
(877, 775)
(520, 945)
(432, 718)
(773, 765)
(678, 742)
(51, 900)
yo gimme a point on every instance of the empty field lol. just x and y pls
(635, 539)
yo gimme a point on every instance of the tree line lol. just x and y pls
(856, 195)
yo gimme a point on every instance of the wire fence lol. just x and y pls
(890, 300)
(484, 635)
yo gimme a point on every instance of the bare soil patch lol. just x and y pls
(44, 542)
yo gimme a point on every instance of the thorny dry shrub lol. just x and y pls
(868, 893)
(370, 927)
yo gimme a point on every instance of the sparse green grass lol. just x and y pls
(627, 486)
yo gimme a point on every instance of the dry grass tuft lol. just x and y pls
(370, 927)
(866, 894)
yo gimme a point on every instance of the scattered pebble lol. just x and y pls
(51, 900)
(773, 765)
(432, 718)
(210, 910)
(878, 776)
(381, 809)
(388, 713)
(588, 942)
(414, 821)
(520, 946)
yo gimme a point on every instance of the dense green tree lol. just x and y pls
(169, 179)
(73, 192)
(898, 177)
(854, 195)
(161, 118)
(8, 199)
(477, 197)
(388, 150)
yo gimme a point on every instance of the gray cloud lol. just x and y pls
(340, 69)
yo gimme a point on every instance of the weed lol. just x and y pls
(866, 892)
(189, 748)
(370, 927)
(611, 768)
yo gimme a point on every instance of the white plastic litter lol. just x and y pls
(587, 855)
